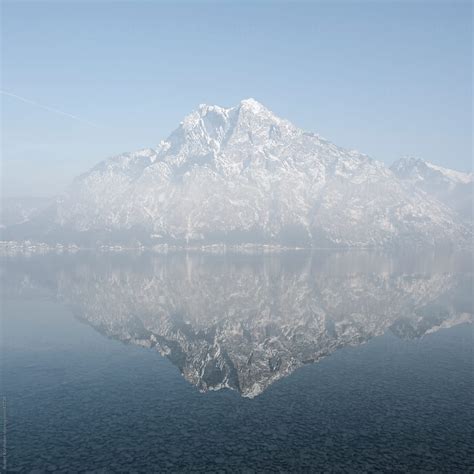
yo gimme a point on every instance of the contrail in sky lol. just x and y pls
(50, 109)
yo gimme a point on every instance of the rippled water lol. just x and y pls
(341, 361)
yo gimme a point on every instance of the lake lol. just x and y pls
(237, 362)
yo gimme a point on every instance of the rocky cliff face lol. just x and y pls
(243, 174)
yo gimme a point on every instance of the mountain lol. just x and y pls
(243, 323)
(453, 188)
(244, 175)
(15, 211)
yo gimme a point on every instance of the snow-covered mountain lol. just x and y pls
(244, 323)
(242, 174)
(453, 188)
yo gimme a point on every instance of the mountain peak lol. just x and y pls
(252, 104)
(209, 126)
(204, 109)
(249, 104)
(409, 166)
(406, 162)
(252, 108)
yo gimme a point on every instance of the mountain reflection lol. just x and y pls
(243, 322)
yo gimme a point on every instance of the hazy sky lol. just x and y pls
(386, 78)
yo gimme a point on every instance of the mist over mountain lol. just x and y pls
(14, 211)
(244, 175)
(453, 188)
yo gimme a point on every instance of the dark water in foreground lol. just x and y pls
(327, 362)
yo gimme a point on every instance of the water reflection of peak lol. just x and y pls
(243, 321)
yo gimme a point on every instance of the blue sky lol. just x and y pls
(389, 79)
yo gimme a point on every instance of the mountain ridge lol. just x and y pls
(244, 175)
(451, 187)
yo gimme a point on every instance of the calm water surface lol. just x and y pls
(341, 361)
